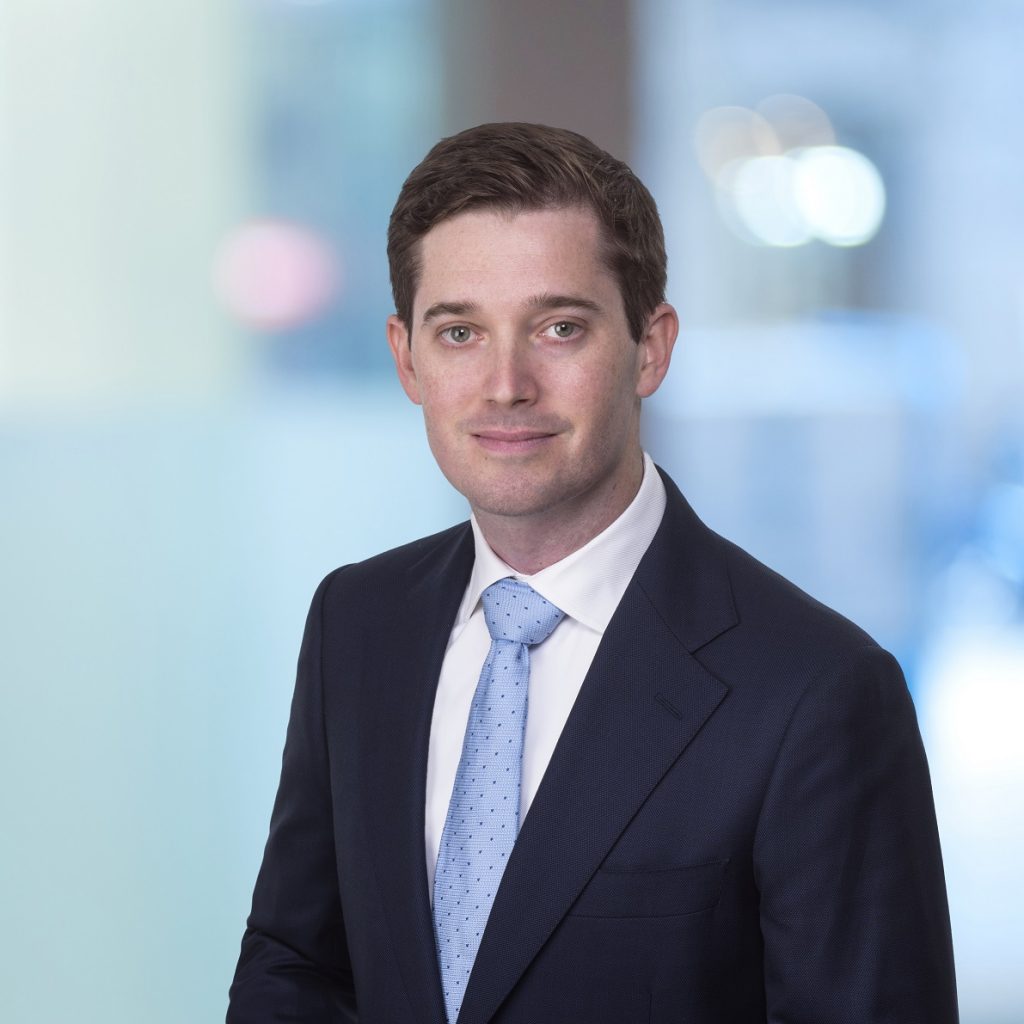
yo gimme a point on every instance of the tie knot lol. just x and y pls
(515, 611)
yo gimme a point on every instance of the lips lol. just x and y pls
(512, 441)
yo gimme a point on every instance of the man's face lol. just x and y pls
(522, 360)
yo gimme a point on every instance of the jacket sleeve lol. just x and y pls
(853, 901)
(294, 963)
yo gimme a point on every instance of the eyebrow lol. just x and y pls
(547, 300)
(448, 309)
(535, 304)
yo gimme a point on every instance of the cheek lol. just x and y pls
(434, 387)
(443, 402)
(607, 393)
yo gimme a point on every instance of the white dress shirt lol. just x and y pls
(588, 586)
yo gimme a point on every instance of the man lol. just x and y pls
(580, 759)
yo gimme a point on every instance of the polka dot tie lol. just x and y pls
(483, 816)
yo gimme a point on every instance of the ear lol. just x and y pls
(401, 351)
(656, 349)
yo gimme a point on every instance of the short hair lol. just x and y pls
(515, 167)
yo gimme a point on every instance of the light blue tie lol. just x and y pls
(483, 816)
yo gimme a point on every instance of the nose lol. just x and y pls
(511, 373)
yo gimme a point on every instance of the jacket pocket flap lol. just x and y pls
(662, 892)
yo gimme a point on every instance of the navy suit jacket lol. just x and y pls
(736, 826)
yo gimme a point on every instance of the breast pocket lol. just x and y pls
(660, 892)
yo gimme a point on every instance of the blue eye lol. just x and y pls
(458, 334)
(564, 329)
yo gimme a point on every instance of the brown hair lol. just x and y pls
(516, 167)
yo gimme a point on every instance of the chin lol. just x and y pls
(516, 497)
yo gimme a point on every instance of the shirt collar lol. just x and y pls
(589, 583)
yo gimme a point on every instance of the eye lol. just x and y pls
(458, 334)
(563, 329)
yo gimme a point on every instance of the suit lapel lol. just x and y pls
(397, 707)
(642, 702)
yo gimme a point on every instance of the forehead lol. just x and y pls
(492, 256)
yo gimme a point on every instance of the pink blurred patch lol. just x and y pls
(274, 274)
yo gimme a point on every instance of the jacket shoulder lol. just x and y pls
(722, 598)
(391, 569)
(768, 601)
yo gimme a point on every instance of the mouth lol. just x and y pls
(512, 442)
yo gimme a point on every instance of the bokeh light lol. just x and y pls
(981, 743)
(275, 275)
(763, 192)
(727, 134)
(839, 193)
(781, 180)
(797, 121)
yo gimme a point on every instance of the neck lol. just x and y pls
(531, 543)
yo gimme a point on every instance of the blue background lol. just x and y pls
(180, 462)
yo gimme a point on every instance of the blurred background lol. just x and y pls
(198, 417)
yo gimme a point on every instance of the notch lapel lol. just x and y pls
(642, 702)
